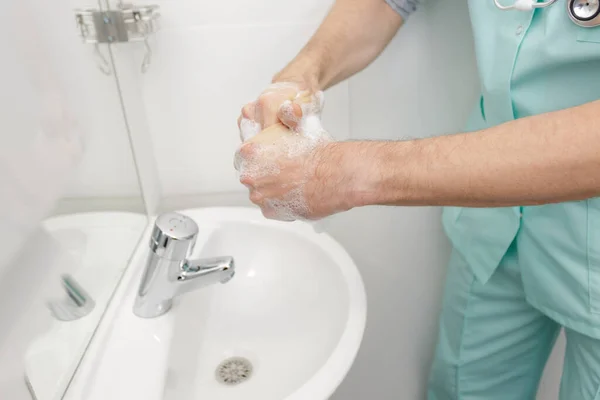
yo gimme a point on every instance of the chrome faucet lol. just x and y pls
(169, 272)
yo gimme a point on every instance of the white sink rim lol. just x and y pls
(324, 383)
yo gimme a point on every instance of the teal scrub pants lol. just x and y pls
(493, 345)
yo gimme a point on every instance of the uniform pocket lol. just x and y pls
(593, 253)
(591, 35)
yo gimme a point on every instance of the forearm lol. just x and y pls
(352, 35)
(543, 159)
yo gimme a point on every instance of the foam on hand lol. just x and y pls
(249, 129)
(284, 149)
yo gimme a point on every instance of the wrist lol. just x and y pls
(357, 171)
(371, 168)
(381, 172)
(304, 71)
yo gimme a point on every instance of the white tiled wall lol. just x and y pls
(186, 13)
(107, 168)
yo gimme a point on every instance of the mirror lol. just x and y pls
(71, 208)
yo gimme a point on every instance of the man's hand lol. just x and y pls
(262, 113)
(292, 170)
(290, 184)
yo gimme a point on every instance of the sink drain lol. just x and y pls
(234, 371)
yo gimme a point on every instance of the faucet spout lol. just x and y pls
(169, 273)
(196, 274)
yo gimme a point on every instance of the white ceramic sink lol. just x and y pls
(295, 312)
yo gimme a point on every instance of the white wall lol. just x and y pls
(211, 57)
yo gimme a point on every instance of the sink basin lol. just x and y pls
(287, 326)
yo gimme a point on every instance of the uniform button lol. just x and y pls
(519, 30)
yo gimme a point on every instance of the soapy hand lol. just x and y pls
(290, 167)
(263, 112)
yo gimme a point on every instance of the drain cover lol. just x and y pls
(233, 371)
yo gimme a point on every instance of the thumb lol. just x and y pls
(292, 112)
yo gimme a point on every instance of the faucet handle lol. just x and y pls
(76, 304)
(173, 236)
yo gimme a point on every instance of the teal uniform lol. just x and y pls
(519, 274)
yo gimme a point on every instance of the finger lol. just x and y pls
(269, 102)
(247, 151)
(256, 197)
(268, 211)
(249, 111)
(248, 129)
(290, 114)
(266, 109)
(311, 102)
(243, 154)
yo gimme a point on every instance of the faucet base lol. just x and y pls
(148, 310)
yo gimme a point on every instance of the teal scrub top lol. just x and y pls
(530, 63)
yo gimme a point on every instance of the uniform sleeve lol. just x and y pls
(404, 7)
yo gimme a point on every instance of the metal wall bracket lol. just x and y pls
(127, 24)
